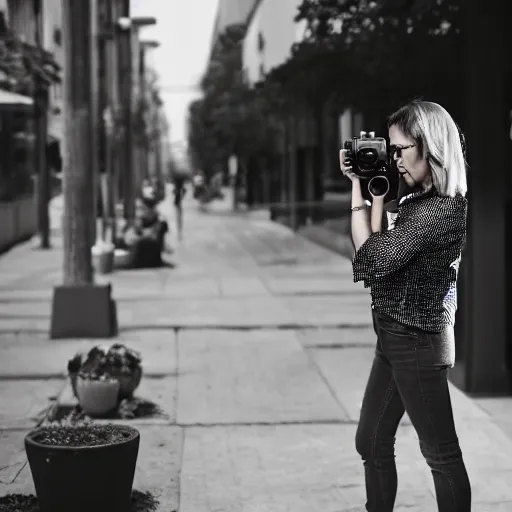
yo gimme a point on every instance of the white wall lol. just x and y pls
(252, 59)
(274, 20)
(230, 12)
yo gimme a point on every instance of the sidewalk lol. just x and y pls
(257, 346)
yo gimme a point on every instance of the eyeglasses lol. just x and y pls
(398, 150)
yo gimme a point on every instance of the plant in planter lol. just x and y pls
(118, 362)
(125, 365)
(83, 468)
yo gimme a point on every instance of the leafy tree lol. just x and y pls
(231, 117)
(373, 55)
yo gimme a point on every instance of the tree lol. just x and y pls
(231, 117)
(373, 55)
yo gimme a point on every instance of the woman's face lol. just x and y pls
(413, 168)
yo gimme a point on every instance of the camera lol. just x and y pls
(369, 158)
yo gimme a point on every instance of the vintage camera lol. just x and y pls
(370, 161)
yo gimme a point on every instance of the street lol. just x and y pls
(257, 346)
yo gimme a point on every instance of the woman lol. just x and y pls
(411, 270)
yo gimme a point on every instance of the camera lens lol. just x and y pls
(378, 186)
(367, 156)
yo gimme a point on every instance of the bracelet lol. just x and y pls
(357, 208)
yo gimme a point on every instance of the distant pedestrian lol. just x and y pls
(411, 270)
(179, 192)
(199, 185)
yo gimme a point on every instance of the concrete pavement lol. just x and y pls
(257, 347)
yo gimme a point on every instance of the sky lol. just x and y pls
(184, 30)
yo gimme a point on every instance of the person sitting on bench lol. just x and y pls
(146, 238)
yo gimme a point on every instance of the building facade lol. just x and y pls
(270, 35)
(230, 12)
(22, 19)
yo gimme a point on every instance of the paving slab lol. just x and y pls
(29, 355)
(314, 286)
(500, 408)
(244, 377)
(23, 401)
(231, 312)
(158, 465)
(243, 287)
(329, 311)
(346, 372)
(15, 476)
(337, 338)
(299, 468)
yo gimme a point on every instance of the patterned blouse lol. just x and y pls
(412, 268)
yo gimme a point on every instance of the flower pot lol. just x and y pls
(83, 478)
(97, 397)
(128, 383)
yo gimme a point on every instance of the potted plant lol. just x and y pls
(125, 365)
(83, 468)
(117, 361)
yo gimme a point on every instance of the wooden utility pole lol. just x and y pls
(112, 77)
(80, 308)
(79, 155)
(124, 40)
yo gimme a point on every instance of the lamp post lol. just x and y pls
(128, 29)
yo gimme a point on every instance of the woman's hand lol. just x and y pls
(346, 166)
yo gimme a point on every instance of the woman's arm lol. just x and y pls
(360, 222)
(377, 213)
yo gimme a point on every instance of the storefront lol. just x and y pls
(483, 332)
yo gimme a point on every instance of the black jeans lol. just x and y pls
(409, 373)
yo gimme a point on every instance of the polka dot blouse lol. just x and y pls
(412, 268)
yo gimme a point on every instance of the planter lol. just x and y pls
(128, 383)
(97, 397)
(83, 468)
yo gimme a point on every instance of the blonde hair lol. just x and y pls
(440, 142)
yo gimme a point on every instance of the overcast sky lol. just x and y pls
(184, 30)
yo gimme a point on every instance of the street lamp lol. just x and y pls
(127, 27)
(126, 23)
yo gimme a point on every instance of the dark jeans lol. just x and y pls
(409, 373)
